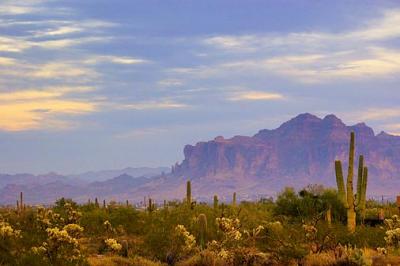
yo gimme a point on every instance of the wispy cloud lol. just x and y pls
(152, 105)
(256, 96)
(313, 56)
(59, 70)
(13, 44)
(362, 64)
(141, 132)
(124, 60)
(7, 61)
(170, 82)
(18, 7)
(63, 30)
(379, 114)
(379, 29)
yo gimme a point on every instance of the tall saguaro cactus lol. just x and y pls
(215, 202)
(21, 201)
(346, 195)
(189, 193)
(152, 205)
(234, 199)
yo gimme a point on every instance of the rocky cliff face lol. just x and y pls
(299, 152)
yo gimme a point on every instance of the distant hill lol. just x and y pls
(93, 176)
(107, 184)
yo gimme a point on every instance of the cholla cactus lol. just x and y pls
(189, 241)
(7, 232)
(108, 228)
(382, 251)
(253, 234)
(113, 245)
(59, 247)
(73, 215)
(393, 223)
(62, 243)
(392, 237)
(74, 230)
(218, 249)
(60, 236)
(230, 228)
(46, 218)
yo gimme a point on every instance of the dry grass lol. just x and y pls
(119, 261)
(321, 259)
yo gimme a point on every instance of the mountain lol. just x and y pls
(301, 151)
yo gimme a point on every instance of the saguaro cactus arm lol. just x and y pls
(364, 188)
(340, 182)
(360, 179)
(350, 173)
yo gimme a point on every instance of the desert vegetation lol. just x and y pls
(306, 227)
(313, 226)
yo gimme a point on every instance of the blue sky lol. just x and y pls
(98, 84)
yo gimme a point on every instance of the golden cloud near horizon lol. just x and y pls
(36, 109)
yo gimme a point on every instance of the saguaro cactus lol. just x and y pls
(202, 221)
(234, 199)
(152, 206)
(215, 202)
(21, 201)
(352, 202)
(189, 193)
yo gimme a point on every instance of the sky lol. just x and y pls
(99, 84)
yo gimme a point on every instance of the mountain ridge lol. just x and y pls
(299, 152)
